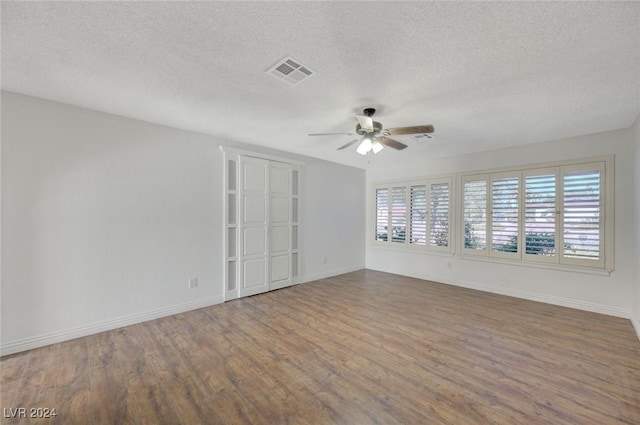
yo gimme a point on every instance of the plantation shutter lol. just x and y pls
(504, 214)
(474, 214)
(399, 214)
(418, 221)
(382, 214)
(541, 214)
(439, 214)
(582, 219)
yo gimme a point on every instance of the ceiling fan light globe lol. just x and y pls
(364, 147)
(376, 146)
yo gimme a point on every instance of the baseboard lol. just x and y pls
(636, 325)
(533, 296)
(550, 299)
(69, 334)
(331, 273)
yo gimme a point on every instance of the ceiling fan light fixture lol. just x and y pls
(376, 146)
(365, 146)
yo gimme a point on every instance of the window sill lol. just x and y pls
(412, 250)
(508, 262)
(548, 266)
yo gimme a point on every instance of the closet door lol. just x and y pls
(254, 221)
(280, 225)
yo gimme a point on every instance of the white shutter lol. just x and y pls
(582, 219)
(505, 188)
(474, 214)
(541, 214)
(418, 217)
(399, 214)
(439, 210)
(382, 214)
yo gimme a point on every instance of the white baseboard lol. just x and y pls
(636, 324)
(69, 334)
(331, 273)
(532, 296)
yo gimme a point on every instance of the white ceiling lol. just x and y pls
(486, 75)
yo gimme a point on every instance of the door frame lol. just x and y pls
(231, 243)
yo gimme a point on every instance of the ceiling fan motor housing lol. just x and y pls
(377, 127)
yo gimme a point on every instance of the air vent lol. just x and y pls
(290, 70)
(422, 137)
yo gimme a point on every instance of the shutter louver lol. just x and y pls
(439, 214)
(504, 215)
(540, 215)
(581, 215)
(398, 214)
(475, 214)
(382, 214)
(418, 215)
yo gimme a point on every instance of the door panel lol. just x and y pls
(279, 210)
(254, 274)
(279, 180)
(280, 224)
(254, 225)
(280, 271)
(254, 173)
(254, 208)
(254, 241)
(279, 239)
(266, 225)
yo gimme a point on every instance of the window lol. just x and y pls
(439, 195)
(398, 214)
(540, 214)
(552, 214)
(505, 213)
(559, 214)
(415, 214)
(418, 215)
(582, 222)
(382, 214)
(475, 213)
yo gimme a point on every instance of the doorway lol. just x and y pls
(262, 224)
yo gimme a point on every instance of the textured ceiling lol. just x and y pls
(486, 75)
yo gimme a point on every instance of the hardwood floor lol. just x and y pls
(361, 348)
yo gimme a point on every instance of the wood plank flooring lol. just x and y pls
(361, 348)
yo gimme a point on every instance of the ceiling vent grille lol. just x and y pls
(422, 137)
(290, 70)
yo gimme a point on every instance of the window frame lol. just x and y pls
(605, 262)
(488, 250)
(407, 244)
(456, 246)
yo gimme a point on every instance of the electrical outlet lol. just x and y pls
(193, 283)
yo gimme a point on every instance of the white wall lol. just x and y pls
(607, 294)
(104, 220)
(333, 237)
(636, 233)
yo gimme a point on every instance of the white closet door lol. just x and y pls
(254, 267)
(280, 225)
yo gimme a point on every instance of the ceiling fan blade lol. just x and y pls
(366, 123)
(330, 134)
(392, 143)
(417, 129)
(346, 145)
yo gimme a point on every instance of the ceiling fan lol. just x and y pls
(374, 137)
